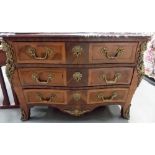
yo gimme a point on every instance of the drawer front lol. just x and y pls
(45, 96)
(113, 95)
(110, 76)
(40, 52)
(76, 97)
(77, 53)
(112, 52)
(40, 76)
(75, 77)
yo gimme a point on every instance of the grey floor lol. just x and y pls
(142, 110)
(45, 114)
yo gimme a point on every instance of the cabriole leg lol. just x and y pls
(125, 111)
(25, 114)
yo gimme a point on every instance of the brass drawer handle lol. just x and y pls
(101, 96)
(116, 78)
(118, 52)
(77, 76)
(46, 99)
(32, 53)
(35, 77)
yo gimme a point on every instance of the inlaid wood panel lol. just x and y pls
(43, 76)
(113, 95)
(45, 96)
(110, 76)
(40, 52)
(115, 52)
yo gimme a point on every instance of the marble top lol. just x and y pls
(79, 34)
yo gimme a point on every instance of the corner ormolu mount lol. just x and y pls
(10, 67)
(140, 63)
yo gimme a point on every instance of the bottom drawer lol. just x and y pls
(76, 97)
(46, 96)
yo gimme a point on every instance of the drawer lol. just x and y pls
(40, 52)
(117, 52)
(76, 97)
(45, 96)
(110, 76)
(110, 95)
(75, 77)
(41, 76)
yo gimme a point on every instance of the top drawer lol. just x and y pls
(40, 52)
(75, 53)
(117, 52)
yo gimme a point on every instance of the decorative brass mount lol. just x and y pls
(101, 96)
(77, 51)
(46, 99)
(35, 77)
(76, 112)
(114, 81)
(77, 96)
(10, 66)
(77, 76)
(118, 52)
(140, 63)
(32, 52)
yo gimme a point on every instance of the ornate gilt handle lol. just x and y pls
(46, 99)
(32, 53)
(118, 52)
(116, 78)
(101, 96)
(35, 77)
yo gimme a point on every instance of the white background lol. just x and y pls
(77, 16)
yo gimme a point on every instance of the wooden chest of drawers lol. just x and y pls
(74, 72)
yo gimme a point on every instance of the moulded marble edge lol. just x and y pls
(85, 34)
